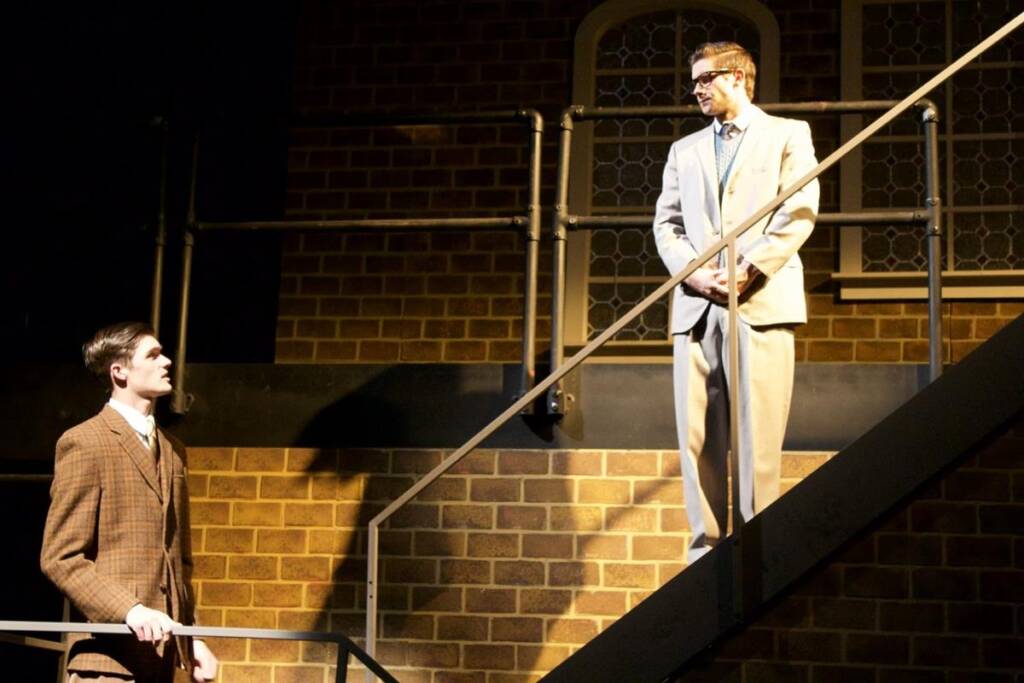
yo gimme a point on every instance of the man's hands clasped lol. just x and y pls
(713, 283)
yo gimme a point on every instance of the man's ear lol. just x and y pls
(118, 374)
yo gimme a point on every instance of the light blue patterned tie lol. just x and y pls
(726, 143)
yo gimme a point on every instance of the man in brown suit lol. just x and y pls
(117, 534)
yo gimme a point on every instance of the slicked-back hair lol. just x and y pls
(729, 55)
(113, 344)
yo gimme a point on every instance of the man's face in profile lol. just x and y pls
(719, 92)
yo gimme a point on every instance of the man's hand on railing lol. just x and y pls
(150, 625)
(203, 662)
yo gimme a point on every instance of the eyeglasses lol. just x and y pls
(704, 80)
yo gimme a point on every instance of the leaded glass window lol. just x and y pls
(981, 133)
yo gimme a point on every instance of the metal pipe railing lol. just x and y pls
(160, 241)
(933, 202)
(727, 241)
(528, 224)
(346, 647)
(558, 401)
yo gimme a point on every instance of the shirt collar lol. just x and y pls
(136, 420)
(741, 121)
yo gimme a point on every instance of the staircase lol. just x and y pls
(731, 587)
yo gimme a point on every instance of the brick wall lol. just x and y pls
(456, 297)
(935, 592)
(501, 569)
(495, 572)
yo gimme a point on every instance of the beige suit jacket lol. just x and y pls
(691, 216)
(117, 534)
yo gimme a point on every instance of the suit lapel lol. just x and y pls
(749, 142)
(166, 469)
(133, 448)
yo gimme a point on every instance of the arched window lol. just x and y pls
(633, 53)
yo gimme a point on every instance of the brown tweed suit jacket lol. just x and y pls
(117, 534)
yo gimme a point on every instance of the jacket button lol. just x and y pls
(163, 588)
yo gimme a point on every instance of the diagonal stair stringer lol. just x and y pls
(734, 583)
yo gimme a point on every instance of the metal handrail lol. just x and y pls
(529, 224)
(345, 646)
(728, 241)
(558, 402)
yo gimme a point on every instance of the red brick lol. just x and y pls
(601, 546)
(490, 600)
(408, 570)
(631, 519)
(518, 573)
(548, 545)
(876, 582)
(415, 626)
(548, 490)
(869, 648)
(523, 462)
(629, 575)
(517, 629)
(657, 548)
(627, 464)
(522, 517)
(603, 491)
(260, 460)
(336, 351)
(462, 628)
(436, 599)
(465, 572)
(480, 461)
(577, 631)
(281, 541)
(229, 540)
(465, 351)
(493, 545)
(503, 490)
(225, 594)
(232, 486)
(433, 655)
(612, 603)
(421, 307)
(256, 514)
(502, 657)
(467, 517)
(854, 328)
(566, 518)
(576, 463)
(574, 574)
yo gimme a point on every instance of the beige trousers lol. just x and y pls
(701, 380)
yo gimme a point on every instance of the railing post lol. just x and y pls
(532, 248)
(556, 400)
(733, 379)
(372, 560)
(344, 656)
(181, 400)
(933, 203)
(160, 242)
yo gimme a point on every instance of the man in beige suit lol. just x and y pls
(117, 534)
(714, 180)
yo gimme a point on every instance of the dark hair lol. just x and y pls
(728, 55)
(113, 344)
